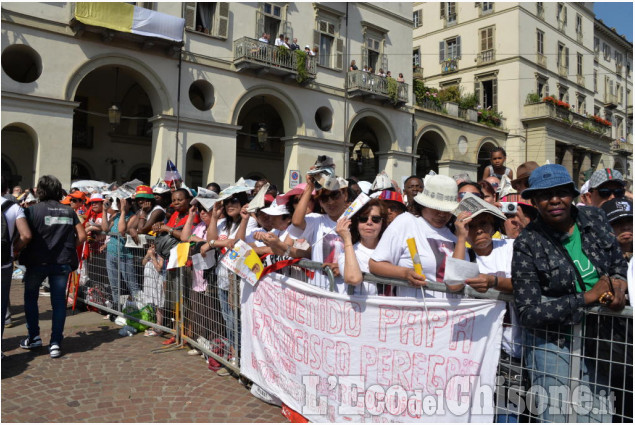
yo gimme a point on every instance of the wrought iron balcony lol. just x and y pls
(252, 54)
(449, 65)
(486, 56)
(364, 84)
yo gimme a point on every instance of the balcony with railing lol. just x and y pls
(449, 65)
(580, 37)
(562, 115)
(261, 57)
(623, 145)
(610, 100)
(485, 57)
(417, 73)
(562, 25)
(563, 71)
(541, 60)
(618, 68)
(361, 83)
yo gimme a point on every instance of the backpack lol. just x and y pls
(7, 240)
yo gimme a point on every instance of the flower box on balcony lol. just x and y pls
(601, 121)
(556, 102)
(472, 115)
(452, 108)
(489, 117)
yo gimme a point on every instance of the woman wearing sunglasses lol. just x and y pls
(563, 261)
(434, 240)
(319, 229)
(361, 235)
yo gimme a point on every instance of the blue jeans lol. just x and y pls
(549, 365)
(7, 273)
(229, 318)
(125, 270)
(33, 278)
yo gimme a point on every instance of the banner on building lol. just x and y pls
(336, 358)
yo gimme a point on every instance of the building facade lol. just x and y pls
(540, 68)
(219, 103)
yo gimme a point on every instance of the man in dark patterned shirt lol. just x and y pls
(563, 261)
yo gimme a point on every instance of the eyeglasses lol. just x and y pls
(333, 196)
(605, 192)
(75, 200)
(462, 195)
(375, 218)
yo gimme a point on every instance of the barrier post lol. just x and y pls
(575, 370)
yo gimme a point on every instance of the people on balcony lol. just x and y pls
(353, 66)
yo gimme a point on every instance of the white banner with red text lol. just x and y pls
(335, 358)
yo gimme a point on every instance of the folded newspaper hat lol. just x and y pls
(238, 187)
(160, 188)
(505, 188)
(476, 206)
(381, 182)
(275, 209)
(439, 193)
(333, 183)
(207, 198)
(258, 201)
(364, 186)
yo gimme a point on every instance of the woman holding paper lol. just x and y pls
(149, 212)
(361, 235)
(433, 239)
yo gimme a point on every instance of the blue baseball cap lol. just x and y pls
(546, 177)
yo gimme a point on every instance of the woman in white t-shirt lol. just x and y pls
(361, 235)
(433, 239)
(319, 229)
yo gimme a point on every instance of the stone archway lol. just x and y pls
(431, 148)
(197, 165)
(483, 156)
(370, 138)
(19, 151)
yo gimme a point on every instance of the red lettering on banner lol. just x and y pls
(257, 320)
(435, 381)
(419, 370)
(353, 319)
(301, 351)
(401, 365)
(328, 363)
(412, 322)
(343, 358)
(439, 318)
(333, 316)
(300, 308)
(388, 316)
(368, 358)
(384, 370)
(289, 303)
(314, 345)
(462, 326)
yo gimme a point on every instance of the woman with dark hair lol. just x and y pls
(469, 187)
(565, 260)
(181, 203)
(222, 233)
(488, 191)
(56, 232)
(361, 235)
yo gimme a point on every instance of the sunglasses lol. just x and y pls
(462, 195)
(605, 192)
(375, 218)
(545, 195)
(333, 196)
(75, 200)
(231, 201)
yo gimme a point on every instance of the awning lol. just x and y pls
(125, 17)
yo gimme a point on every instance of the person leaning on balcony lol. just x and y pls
(564, 261)
(353, 67)
(400, 79)
(294, 45)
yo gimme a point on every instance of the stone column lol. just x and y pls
(567, 159)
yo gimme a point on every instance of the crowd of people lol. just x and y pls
(526, 234)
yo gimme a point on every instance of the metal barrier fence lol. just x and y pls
(579, 373)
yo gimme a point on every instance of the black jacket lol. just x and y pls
(544, 279)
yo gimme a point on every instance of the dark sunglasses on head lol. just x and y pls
(376, 218)
(462, 195)
(605, 192)
(334, 195)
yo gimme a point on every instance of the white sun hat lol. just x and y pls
(439, 193)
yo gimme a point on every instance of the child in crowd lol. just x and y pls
(153, 285)
(497, 167)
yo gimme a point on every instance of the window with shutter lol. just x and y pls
(222, 20)
(326, 36)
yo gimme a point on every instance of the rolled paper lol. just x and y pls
(414, 254)
(361, 200)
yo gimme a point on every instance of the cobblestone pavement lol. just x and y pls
(103, 377)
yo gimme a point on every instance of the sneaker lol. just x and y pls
(193, 352)
(7, 322)
(222, 372)
(55, 351)
(29, 343)
(106, 317)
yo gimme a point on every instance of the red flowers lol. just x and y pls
(601, 121)
(556, 102)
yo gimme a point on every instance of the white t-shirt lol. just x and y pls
(499, 263)
(152, 285)
(363, 255)
(224, 234)
(433, 245)
(320, 230)
(12, 214)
